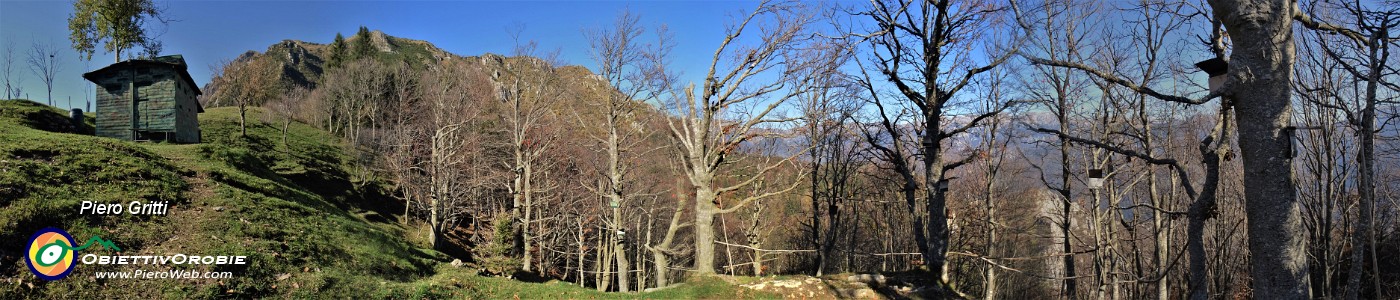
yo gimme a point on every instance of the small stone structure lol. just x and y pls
(163, 108)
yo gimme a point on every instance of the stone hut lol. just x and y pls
(163, 106)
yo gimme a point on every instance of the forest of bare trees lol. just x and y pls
(1066, 149)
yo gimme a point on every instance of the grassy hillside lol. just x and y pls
(307, 229)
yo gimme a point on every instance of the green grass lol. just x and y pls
(293, 209)
(452, 282)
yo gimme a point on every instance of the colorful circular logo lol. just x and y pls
(50, 254)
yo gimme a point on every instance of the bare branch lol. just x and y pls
(1129, 84)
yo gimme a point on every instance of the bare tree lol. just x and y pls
(245, 83)
(357, 96)
(1065, 34)
(922, 49)
(447, 93)
(530, 88)
(632, 73)
(734, 106)
(44, 63)
(1368, 29)
(285, 106)
(1323, 162)
(1154, 23)
(994, 146)
(827, 117)
(12, 80)
(404, 132)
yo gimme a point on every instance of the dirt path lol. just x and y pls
(840, 286)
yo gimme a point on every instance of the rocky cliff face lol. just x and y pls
(303, 63)
(380, 41)
(300, 65)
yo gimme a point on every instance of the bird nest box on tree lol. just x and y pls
(1216, 68)
(1096, 178)
(147, 100)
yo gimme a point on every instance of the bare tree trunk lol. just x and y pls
(641, 259)
(659, 252)
(1370, 208)
(604, 262)
(407, 206)
(728, 250)
(704, 228)
(433, 221)
(1364, 235)
(757, 263)
(524, 210)
(242, 118)
(581, 252)
(990, 273)
(815, 163)
(755, 239)
(757, 260)
(851, 242)
(1159, 219)
(1067, 287)
(287, 122)
(937, 206)
(991, 167)
(440, 186)
(662, 263)
(1205, 204)
(1261, 68)
(620, 249)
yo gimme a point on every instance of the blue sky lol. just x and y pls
(209, 31)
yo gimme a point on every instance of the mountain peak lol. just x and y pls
(304, 63)
(380, 41)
